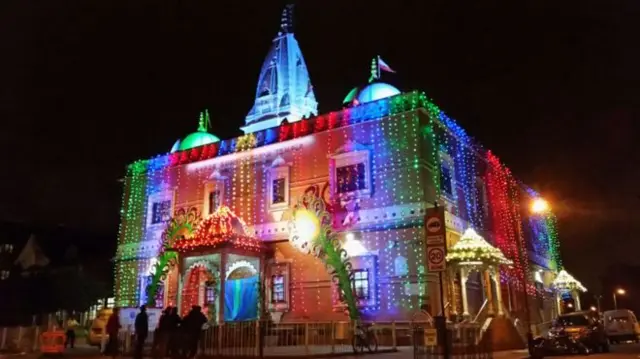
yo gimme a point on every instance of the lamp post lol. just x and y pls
(538, 207)
(598, 298)
(618, 291)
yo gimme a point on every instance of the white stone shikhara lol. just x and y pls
(284, 87)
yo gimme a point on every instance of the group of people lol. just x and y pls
(174, 337)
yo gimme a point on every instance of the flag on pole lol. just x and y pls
(383, 66)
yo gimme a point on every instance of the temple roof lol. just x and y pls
(566, 281)
(284, 88)
(221, 228)
(472, 248)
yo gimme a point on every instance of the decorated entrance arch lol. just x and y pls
(183, 224)
(223, 295)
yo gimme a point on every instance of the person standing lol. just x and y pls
(112, 329)
(142, 331)
(174, 333)
(72, 324)
(192, 324)
(160, 336)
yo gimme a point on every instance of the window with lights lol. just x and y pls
(160, 208)
(277, 289)
(214, 196)
(278, 286)
(351, 172)
(360, 283)
(278, 188)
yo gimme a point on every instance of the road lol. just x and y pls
(622, 351)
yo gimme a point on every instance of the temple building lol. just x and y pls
(212, 221)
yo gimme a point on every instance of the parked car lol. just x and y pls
(621, 325)
(585, 327)
(98, 327)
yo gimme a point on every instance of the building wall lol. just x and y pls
(407, 153)
(395, 204)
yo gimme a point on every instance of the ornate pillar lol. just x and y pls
(223, 280)
(576, 300)
(464, 273)
(452, 285)
(487, 283)
(496, 277)
(558, 302)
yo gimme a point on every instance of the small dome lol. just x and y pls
(376, 91)
(198, 138)
(372, 92)
(195, 139)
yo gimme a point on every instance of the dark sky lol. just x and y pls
(551, 86)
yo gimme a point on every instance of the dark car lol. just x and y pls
(585, 327)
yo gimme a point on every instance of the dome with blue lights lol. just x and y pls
(196, 139)
(372, 92)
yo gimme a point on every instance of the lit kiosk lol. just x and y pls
(474, 253)
(566, 283)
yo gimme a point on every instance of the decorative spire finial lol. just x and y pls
(204, 121)
(286, 22)
(374, 70)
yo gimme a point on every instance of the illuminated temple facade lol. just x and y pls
(222, 209)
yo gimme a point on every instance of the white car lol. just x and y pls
(621, 325)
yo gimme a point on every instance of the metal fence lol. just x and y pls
(266, 339)
(466, 341)
(20, 339)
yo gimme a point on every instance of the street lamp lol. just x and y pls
(618, 291)
(539, 205)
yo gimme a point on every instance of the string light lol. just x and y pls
(404, 143)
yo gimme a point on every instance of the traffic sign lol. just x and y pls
(435, 240)
(436, 258)
(430, 337)
(434, 222)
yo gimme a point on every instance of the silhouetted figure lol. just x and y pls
(142, 331)
(174, 334)
(192, 328)
(161, 335)
(112, 329)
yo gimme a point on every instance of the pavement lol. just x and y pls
(621, 351)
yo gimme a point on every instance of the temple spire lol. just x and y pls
(286, 21)
(284, 89)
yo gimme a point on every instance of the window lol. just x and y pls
(445, 180)
(161, 212)
(278, 190)
(209, 294)
(278, 186)
(351, 178)
(351, 171)
(277, 289)
(215, 200)
(159, 298)
(361, 284)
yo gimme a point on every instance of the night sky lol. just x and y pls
(551, 87)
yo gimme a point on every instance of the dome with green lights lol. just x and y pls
(196, 139)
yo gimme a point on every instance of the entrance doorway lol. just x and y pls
(200, 288)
